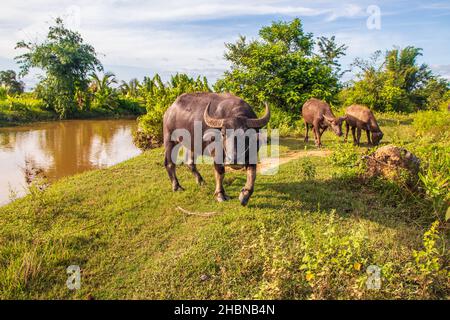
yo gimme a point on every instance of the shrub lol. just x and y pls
(129, 105)
(3, 93)
(435, 123)
(158, 97)
(428, 268)
(346, 155)
(308, 169)
(24, 108)
(334, 260)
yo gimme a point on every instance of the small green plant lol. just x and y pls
(332, 259)
(429, 269)
(308, 169)
(436, 188)
(346, 155)
(435, 123)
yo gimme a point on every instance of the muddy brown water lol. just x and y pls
(60, 149)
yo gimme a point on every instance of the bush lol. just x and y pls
(346, 155)
(3, 93)
(132, 106)
(24, 109)
(435, 123)
(158, 97)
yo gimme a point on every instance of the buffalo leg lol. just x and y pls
(317, 135)
(219, 173)
(347, 129)
(368, 137)
(193, 167)
(354, 134)
(247, 191)
(306, 131)
(171, 166)
(358, 136)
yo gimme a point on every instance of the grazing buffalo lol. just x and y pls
(226, 113)
(361, 118)
(318, 114)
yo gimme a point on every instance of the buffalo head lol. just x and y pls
(237, 133)
(336, 124)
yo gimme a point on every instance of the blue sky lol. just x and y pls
(138, 38)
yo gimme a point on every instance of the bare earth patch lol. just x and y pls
(268, 164)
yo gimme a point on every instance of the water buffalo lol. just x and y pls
(318, 114)
(222, 111)
(361, 118)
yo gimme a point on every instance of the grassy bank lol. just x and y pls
(310, 231)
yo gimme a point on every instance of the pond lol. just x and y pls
(60, 148)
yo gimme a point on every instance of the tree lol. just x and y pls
(8, 80)
(131, 88)
(104, 95)
(396, 83)
(281, 67)
(330, 52)
(67, 62)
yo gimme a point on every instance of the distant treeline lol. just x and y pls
(285, 66)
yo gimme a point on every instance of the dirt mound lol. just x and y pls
(394, 163)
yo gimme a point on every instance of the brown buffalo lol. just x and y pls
(361, 118)
(318, 114)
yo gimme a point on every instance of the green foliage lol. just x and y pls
(429, 269)
(9, 82)
(158, 97)
(104, 95)
(3, 93)
(308, 169)
(331, 258)
(67, 62)
(398, 83)
(435, 123)
(436, 186)
(280, 68)
(23, 108)
(346, 155)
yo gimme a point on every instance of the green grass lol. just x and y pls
(299, 237)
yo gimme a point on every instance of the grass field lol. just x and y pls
(310, 231)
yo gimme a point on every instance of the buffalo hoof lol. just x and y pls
(201, 182)
(221, 197)
(177, 188)
(244, 196)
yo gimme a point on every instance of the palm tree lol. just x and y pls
(105, 96)
(131, 88)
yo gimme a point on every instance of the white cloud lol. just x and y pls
(140, 37)
(442, 69)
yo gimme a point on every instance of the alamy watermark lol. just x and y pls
(227, 147)
(74, 280)
(374, 20)
(374, 279)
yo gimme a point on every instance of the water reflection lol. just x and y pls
(61, 149)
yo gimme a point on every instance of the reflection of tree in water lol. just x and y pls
(71, 144)
(8, 139)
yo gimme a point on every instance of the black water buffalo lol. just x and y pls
(212, 111)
